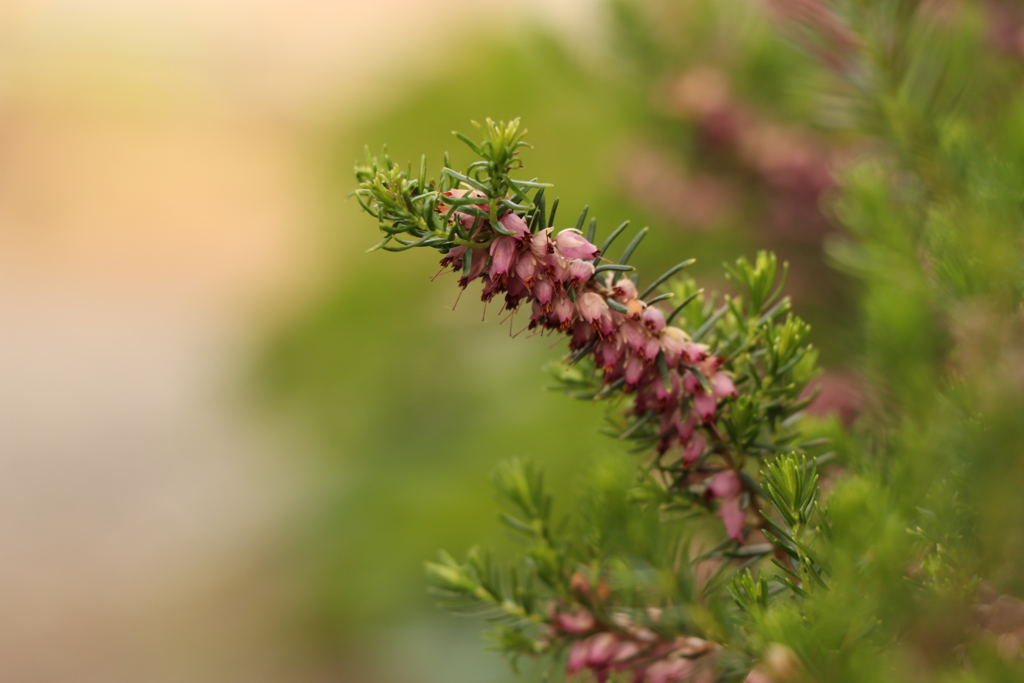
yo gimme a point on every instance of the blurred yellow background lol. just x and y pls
(159, 211)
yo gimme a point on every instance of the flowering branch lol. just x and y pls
(683, 380)
(705, 388)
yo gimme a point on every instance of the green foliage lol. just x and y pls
(885, 554)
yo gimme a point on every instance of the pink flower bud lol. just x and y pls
(634, 369)
(693, 449)
(571, 244)
(476, 268)
(563, 310)
(558, 267)
(591, 306)
(671, 670)
(694, 353)
(722, 386)
(662, 394)
(515, 223)
(537, 315)
(653, 319)
(515, 292)
(582, 333)
(608, 355)
(634, 335)
(725, 484)
(580, 271)
(625, 652)
(454, 257)
(625, 289)
(710, 364)
(685, 429)
(650, 348)
(673, 342)
(704, 404)
(606, 324)
(578, 655)
(602, 649)
(543, 290)
(732, 517)
(503, 250)
(540, 245)
(526, 268)
(575, 623)
(491, 287)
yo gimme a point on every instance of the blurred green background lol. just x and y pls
(263, 430)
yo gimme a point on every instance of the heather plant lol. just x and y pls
(741, 544)
(707, 390)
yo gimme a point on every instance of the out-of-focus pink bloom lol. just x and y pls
(663, 393)
(674, 343)
(526, 268)
(476, 268)
(691, 383)
(624, 289)
(570, 243)
(694, 353)
(685, 428)
(491, 287)
(537, 314)
(722, 386)
(591, 305)
(725, 484)
(634, 369)
(653, 319)
(578, 655)
(515, 223)
(634, 335)
(454, 257)
(541, 246)
(563, 310)
(670, 670)
(515, 292)
(710, 365)
(693, 449)
(578, 622)
(543, 290)
(503, 250)
(558, 268)
(625, 652)
(732, 517)
(838, 394)
(704, 403)
(580, 271)
(582, 333)
(603, 647)
(607, 355)
(607, 322)
(650, 348)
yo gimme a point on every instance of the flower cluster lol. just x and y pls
(671, 377)
(787, 165)
(619, 643)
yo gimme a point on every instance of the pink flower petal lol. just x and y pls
(725, 484)
(729, 511)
